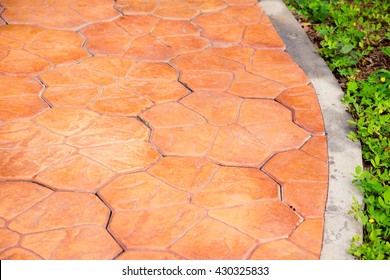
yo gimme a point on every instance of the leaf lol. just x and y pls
(346, 48)
(386, 196)
(386, 50)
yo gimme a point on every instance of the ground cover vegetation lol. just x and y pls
(353, 37)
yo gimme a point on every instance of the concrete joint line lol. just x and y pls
(344, 155)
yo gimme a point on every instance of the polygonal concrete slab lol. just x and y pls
(244, 149)
(140, 191)
(24, 164)
(24, 134)
(264, 221)
(154, 228)
(58, 14)
(211, 239)
(19, 97)
(281, 250)
(81, 209)
(110, 130)
(296, 166)
(17, 197)
(219, 108)
(132, 156)
(185, 173)
(118, 102)
(66, 121)
(184, 141)
(76, 174)
(236, 186)
(81, 243)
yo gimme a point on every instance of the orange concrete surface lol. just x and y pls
(155, 129)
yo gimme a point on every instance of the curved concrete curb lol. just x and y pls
(344, 155)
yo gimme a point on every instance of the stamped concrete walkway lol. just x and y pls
(155, 129)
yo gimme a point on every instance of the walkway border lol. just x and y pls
(344, 155)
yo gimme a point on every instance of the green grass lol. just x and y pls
(353, 33)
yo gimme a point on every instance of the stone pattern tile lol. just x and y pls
(155, 129)
(59, 14)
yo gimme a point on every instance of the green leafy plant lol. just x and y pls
(351, 31)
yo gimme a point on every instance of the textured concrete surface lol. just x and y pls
(137, 129)
(344, 155)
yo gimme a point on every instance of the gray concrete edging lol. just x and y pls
(344, 155)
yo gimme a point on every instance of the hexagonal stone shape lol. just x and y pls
(62, 210)
(249, 85)
(18, 254)
(8, 239)
(154, 228)
(58, 46)
(19, 85)
(185, 43)
(301, 167)
(262, 111)
(300, 98)
(76, 74)
(288, 75)
(153, 71)
(279, 136)
(220, 27)
(148, 48)
(262, 36)
(207, 6)
(137, 25)
(128, 157)
(76, 174)
(309, 235)
(167, 28)
(211, 239)
(232, 186)
(83, 243)
(171, 114)
(219, 108)
(307, 198)
(245, 14)
(66, 121)
(22, 62)
(129, 7)
(200, 61)
(71, 96)
(317, 147)
(185, 173)
(118, 102)
(99, 43)
(24, 164)
(159, 91)
(17, 197)
(264, 221)
(184, 141)
(207, 80)
(140, 191)
(236, 146)
(110, 130)
(176, 10)
(112, 65)
(25, 134)
(27, 106)
(236, 53)
(68, 15)
(281, 250)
